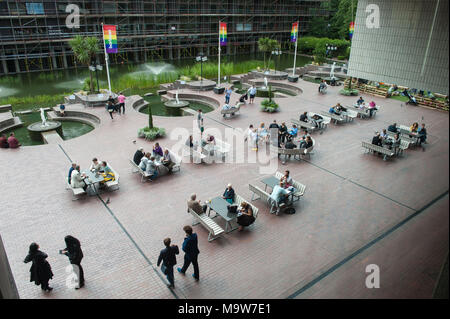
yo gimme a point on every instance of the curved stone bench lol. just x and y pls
(278, 85)
(10, 123)
(79, 116)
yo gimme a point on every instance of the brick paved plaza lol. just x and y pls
(353, 200)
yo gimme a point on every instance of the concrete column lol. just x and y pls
(208, 52)
(16, 63)
(64, 58)
(8, 289)
(179, 53)
(54, 62)
(5, 65)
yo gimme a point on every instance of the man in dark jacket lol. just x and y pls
(304, 117)
(138, 156)
(376, 140)
(190, 248)
(168, 258)
(75, 254)
(392, 128)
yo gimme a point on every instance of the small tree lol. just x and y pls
(267, 45)
(150, 117)
(85, 49)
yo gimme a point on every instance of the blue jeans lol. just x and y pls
(187, 262)
(227, 99)
(169, 275)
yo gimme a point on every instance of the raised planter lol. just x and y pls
(219, 90)
(293, 78)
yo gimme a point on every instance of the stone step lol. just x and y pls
(51, 137)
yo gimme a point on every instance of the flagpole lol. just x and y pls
(106, 60)
(295, 54)
(218, 76)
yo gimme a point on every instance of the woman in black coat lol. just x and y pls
(75, 254)
(40, 271)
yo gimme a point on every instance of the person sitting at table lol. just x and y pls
(280, 194)
(157, 151)
(196, 205)
(316, 119)
(225, 107)
(95, 166)
(286, 179)
(138, 155)
(395, 141)
(151, 169)
(371, 108)
(340, 108)
(309, 142)
(332, 110)
(392, 128)
(228, 195)
(210, 139)
(263, 133)
(376, 140)
(293, 132)
(167, 160)
(414, 127)
(302, 142)
(144, 161)
(360, 100)
(108, 174)
(13, 142)
(71, 169)
(304, 117)
(383, 134)
(245, 216)
(77, 179)
(422, 131)
(4, 141)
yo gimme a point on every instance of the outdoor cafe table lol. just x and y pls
(220, 206)
(92, 178)
(272, 181)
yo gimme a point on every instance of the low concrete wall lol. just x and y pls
(8, 289)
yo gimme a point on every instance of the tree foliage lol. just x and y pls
(85, 49)
(267, 45)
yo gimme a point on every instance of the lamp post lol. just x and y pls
(276, 52)
(93, 68)
(201, 58)
(331, 48)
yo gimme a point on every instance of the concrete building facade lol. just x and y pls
(405, 44)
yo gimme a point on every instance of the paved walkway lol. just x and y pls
(351, 199)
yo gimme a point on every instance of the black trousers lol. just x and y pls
(122, 107)
(187, 263)
(44, 285)
(81, 274)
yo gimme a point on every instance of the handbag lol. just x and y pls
(164, 269)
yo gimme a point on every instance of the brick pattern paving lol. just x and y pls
(351, 198)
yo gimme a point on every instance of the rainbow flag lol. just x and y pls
(110, 38)
(294, 32)
(351, 29)
(223, 33)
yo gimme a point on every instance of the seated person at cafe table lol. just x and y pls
(392, 128)
(383, 134)
(138, 155)
(316, 119)
(279, 194)
(196, 205)
(210, 139)
(77, 179)
(167, 160)
(395, 141)
(414, 127)
(292, 132)
(107, 173)
(422, 134)
(304, 117)
(71, 169)
(157, 151)
(286, 179)
(95, 166)
(372, 106)
(228, 195)
(360, 101)
(151, 168)
(376, 140)
(307, 142)
(245, 216)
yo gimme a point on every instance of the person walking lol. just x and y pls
(252, 92)
(40, 271)
(121, 98)
(228, 95)
(75, 254)
(168, 259)
(190, 248)
(110, 108)
(199, 119)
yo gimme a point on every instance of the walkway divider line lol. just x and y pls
(127, 234)
(366, 246)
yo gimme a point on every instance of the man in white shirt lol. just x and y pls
(252, 92)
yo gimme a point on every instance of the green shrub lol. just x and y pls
(269, 106)
(349, 92)
(341, 57)
(151, 134)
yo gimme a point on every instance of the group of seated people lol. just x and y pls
(316, 119)
(147, 160)
(371, 106)
(281, 192)
(414, 128)
(382, 138)
(337, 109)
(10, 142)
(227, 106)
(244, 211)
(77, 179)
